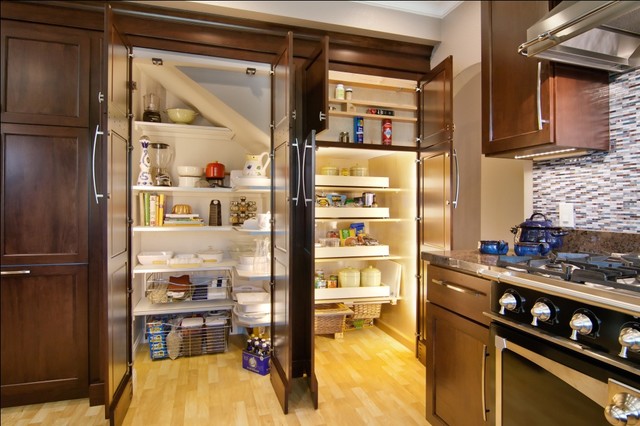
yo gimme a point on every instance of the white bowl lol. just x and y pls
(190, 171)
(188, 181)
(154, 257)
(182, 115)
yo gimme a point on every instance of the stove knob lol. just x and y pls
(540, 311)
(623, 410)
(580, 323)
(508, 301)
(630, 340)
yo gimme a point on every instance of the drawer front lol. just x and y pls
(464, 294)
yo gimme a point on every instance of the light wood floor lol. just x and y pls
(366, 378)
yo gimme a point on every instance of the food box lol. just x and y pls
(256, 363)
(156, 335)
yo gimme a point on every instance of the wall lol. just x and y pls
(493, 191)
(604, 187)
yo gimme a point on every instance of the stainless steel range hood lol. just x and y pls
(595, 34)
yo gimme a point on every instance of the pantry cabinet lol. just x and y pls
(530, 106)
(49, 96)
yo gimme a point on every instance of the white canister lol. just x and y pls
(349, 277)
(370, 277)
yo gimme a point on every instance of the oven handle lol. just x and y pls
(593, 389)
(574, 346)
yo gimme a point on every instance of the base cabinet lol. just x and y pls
(456, 351)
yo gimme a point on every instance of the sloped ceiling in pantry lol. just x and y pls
(183, 80)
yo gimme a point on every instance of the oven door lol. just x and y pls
(539, 383)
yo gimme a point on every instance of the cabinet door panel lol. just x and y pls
(45, 195)
(47, 75)
(44, 322)
(456, 362)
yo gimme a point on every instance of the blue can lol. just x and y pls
(358, 129)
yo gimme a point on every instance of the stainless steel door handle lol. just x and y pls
(297, 145)
(20, 272)
(455, 158)
(93, 164)
(457, 288)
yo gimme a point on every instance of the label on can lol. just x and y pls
(358, 129)
(386, 131)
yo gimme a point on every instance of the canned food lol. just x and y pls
(358, 129)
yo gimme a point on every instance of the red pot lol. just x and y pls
(215, 170)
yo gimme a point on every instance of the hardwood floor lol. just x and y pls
(366, 378)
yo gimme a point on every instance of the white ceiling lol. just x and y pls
(434, 9)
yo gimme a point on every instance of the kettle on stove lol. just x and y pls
(534, 230)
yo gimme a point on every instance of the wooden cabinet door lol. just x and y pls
(316, 87)
(435, 198)
(456, 369)
(45, 191)
(46, 75)
(116, 206)
(44, 333)
(436, 105)
(514, 115)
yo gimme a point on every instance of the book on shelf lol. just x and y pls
(152, 206)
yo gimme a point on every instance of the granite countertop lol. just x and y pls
(466, 260)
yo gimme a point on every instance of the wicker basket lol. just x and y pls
(330, 318)
(366, 310)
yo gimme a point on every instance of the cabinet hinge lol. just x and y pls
(418, 161)
(133, 85)
(418, 276)
(130, 148)
(130, 55)
(419, 89)
(293, 114)
(271, 72)
(418, 218)
(272, 125)
(130, 221)
(129, 115)
(418, 141)
(100, 97)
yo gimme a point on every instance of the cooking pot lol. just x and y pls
(215, 170)
(535, 230)
(494, 247)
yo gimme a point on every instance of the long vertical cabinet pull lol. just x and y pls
(20, 272)
(297, 145)
(455, 158)
(539, 98)
(93, 163)
(304, 181)
(484, 384)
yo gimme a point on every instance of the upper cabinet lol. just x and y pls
(59, 95)
(530, 107)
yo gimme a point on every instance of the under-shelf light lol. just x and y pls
(539, 154)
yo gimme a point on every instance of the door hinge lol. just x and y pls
(100, 97)
(293, 114)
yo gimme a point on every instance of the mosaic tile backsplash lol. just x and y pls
(604, 187)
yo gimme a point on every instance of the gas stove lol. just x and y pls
(584, 302)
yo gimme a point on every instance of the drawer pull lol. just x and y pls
(457, 288)
(22, 272)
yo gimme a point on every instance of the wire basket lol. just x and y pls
(366, 310)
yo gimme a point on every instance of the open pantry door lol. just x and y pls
(283, 190)
(115, 198)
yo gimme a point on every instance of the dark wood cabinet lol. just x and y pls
(48, 306)
(531, 106)
(44, 333)
(46, 75)
(457, 348)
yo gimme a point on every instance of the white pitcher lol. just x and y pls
(255, 164)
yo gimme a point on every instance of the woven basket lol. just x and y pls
(330, 318)
(366, 310)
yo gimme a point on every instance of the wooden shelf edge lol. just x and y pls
(373, 116)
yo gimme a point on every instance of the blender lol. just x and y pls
(151, 113)
(161, 155)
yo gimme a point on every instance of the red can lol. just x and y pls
(386, 131)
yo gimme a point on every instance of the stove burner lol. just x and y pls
(598, 271)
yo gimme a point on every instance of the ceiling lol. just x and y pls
(434, 9)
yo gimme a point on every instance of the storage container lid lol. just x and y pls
(192, 322)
